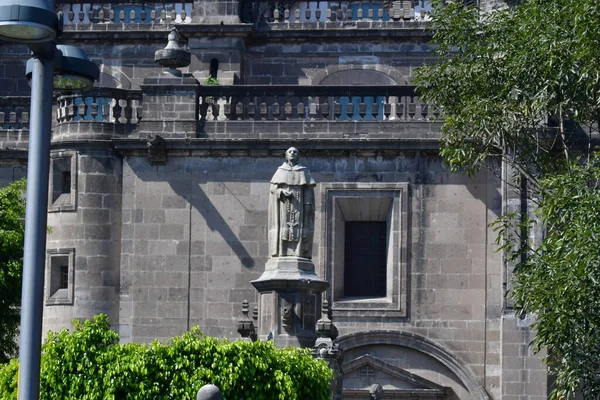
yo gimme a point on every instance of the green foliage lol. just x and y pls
(12, 234)
(211, 81)
(502, 74)
(523, 84)
(89, 364)
(559, 280)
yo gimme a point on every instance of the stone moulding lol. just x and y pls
(422, 344)
(360, 198)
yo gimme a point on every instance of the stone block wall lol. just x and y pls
(523, 373)
(160, 248)
(92, 230)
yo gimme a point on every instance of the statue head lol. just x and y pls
(292, 155)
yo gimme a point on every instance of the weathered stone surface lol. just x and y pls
(160, 248)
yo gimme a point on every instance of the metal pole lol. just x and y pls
(34, 258)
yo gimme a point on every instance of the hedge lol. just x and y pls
(88, 363)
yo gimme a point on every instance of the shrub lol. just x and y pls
(88, 363)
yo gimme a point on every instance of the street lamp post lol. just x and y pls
(34, 23)
(38, 161)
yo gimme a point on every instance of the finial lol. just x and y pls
(325, 308)
(245, 308)
(245, 325)
(173, 56)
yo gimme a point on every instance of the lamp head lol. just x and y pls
(28, 21)
(74, 70)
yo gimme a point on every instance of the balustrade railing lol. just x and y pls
(313, 103)
(240, 103)
(118, 106)
(14, 112)
(338, 11)
(141, 12)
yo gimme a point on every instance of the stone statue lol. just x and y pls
(291, 209)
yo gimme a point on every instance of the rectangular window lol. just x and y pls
(366, 239)
(59, 276)
(63, 181)
(365, 259)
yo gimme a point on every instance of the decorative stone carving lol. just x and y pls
(291, 209)
(286, 317)
(326, 350)
(290, 290)
(173, 56)
(245, 326)
(157, 149)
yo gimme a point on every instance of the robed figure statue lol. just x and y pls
(291, 209)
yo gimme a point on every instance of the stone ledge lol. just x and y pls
(158, 32)
(184, 147)
(333, 29)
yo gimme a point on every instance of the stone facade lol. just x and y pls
(162, 184)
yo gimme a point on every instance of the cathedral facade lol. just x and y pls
(163, 185)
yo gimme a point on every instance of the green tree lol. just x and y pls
(88, 363)
(12, 234)
(522, 84)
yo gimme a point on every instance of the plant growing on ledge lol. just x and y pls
(210, 81)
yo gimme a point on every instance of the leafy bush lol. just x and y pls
(12, 235)
(89, 364)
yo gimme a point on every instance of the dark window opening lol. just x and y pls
(61, 181)
(64, 277)
(66, 181)
(214, 68)
(59, 277)
(365, 259)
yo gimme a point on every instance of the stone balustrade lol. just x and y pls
(125, 12)
(118, 106)
(315, 103)
(14, 112)
(239, 103)
(343, 11)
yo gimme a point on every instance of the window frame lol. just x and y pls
(394, 304)
(65, 201)
(55, 293)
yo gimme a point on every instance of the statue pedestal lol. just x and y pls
(290, 301)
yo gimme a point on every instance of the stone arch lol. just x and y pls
(379, 73)
(420, 344)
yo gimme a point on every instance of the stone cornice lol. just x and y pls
(356, 30)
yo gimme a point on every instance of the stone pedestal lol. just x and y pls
(290, 301)
(170, 106)
(170, 100)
